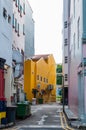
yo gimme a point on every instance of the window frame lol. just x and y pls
(66, 59)
(65, 24)
(23, 8)
(78, 32)
(16, 25)
(18, 29)
(23, 29)
(66, 77)
(9, 19)
(4, 13)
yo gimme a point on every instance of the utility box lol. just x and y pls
(11, 114)
(2, 105)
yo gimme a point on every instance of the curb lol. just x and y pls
(7, 125)
(75, 122)
(71, 121)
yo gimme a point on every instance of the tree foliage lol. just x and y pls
(59, 80)
(59, 77)
(59, 68)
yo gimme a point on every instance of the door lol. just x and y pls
(1, 83)
(81, 84)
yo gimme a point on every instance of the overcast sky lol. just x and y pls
(47, 15)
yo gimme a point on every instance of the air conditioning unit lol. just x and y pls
(38, 86)
(50, 87)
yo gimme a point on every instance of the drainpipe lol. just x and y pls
(63, 92)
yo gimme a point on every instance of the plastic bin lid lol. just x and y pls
(25, 102)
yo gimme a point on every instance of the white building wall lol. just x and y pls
(76, 53)
(8, 85)
(6, 32)
(65, 36)
(18, 35)
(6, 43)
(18, 44)
(18, 41)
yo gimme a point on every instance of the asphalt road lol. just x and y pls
(44, 117)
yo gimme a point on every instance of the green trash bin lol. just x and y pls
(23, 109)
(40, 100)
(28, 108)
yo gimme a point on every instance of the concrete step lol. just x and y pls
(70, 115)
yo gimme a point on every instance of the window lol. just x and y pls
(13, 46)
(24, 8)
(78, 30)
(20, 10)
(41, 78)
(18, 30)
(65, 42)
(9, 19)
(23, 29)
(37, 77)
(66, 77)
(74, 43)
(16, 27)
(13, 21)
(74, 8)
(16, 3)
(22, 52)
(4, 13)
(65, 24)
(44, 80)
(19, 5)
(66, 59)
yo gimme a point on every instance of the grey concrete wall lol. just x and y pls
(29, 31)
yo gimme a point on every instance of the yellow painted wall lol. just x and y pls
(2, 115)
(29, 78)
(52, 76)
(45, 69)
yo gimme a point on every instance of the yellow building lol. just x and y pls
(40, 76)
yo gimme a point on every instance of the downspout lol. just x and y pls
(82, 116)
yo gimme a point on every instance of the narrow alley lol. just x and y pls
(43, 117)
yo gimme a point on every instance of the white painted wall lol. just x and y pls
(65, 36)
(77, 58)
(6, 32)
(18, 42)
(6, 44)
(8, 90)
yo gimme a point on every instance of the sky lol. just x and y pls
(47, 15)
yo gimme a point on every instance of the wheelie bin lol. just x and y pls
(11, 114)
(40, 100)
(23, 109)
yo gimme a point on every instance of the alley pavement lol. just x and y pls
(43, 117)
